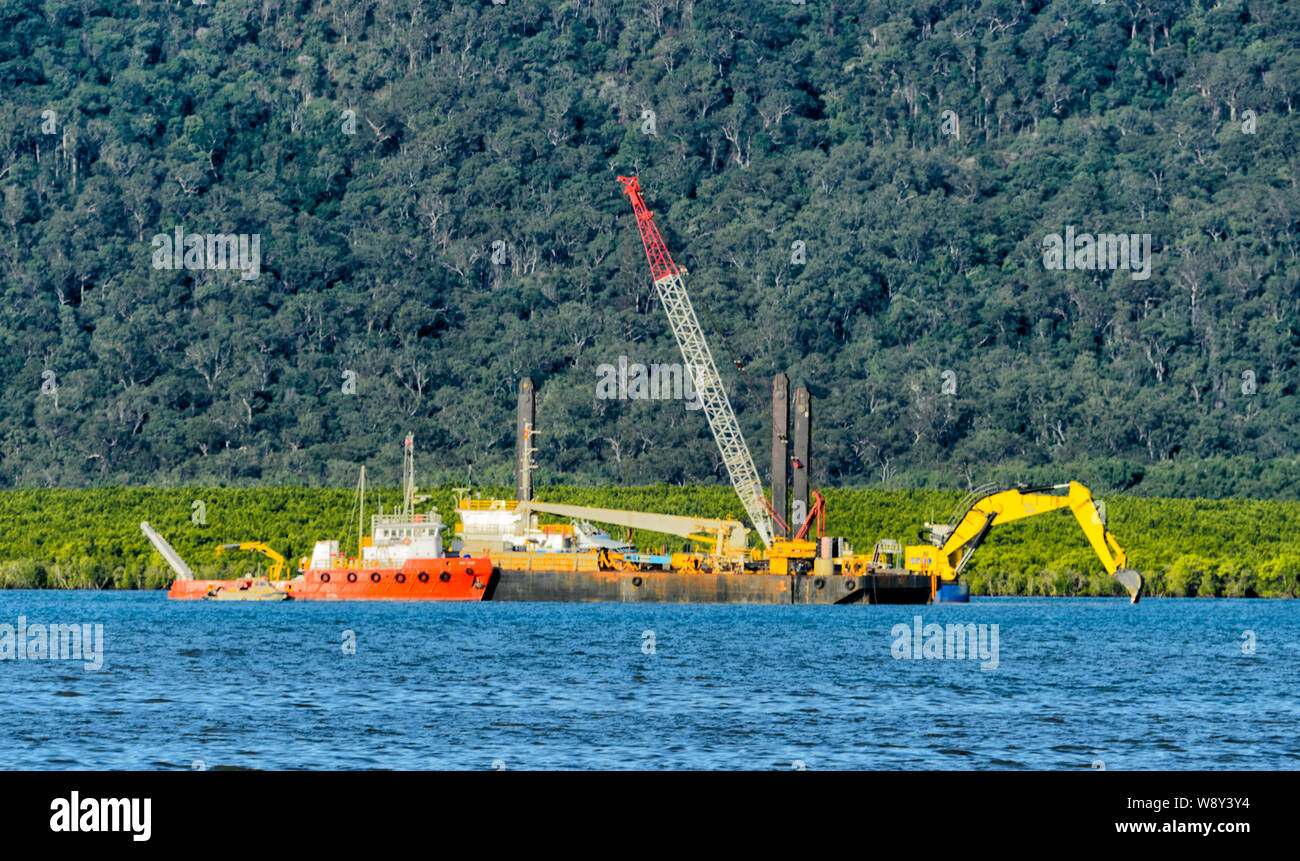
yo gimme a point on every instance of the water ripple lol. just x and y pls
(1160, 685)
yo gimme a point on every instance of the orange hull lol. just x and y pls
(442, 579)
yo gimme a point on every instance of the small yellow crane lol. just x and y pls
(951, 544)
(278, 563)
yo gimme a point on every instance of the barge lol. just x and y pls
(577, 562)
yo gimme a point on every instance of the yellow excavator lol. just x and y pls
(952, 543)
(278, 563)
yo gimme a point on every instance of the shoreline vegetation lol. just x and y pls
(91, 539)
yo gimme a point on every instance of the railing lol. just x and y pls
(487, 505)
(344, 563)
(968, 501)
(586, 561)
(387, 519)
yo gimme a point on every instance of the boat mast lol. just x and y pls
(361, 509)
(408, 478)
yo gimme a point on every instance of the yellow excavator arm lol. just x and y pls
(952, 544)
(278, 562)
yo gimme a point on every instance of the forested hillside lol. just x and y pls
(433, 188)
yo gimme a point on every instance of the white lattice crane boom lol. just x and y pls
(700, 365)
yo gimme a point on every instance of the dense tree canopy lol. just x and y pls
(433, 185)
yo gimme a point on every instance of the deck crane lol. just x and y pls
(700, 365)
(278, 563)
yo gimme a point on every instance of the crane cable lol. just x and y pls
(711, 321)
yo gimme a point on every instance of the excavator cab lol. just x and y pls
(936, 533)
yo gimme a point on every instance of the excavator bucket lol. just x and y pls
(1132, 581)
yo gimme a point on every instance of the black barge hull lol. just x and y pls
(666, 587)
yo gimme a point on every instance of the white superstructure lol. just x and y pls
(395, 537)
(497, 525)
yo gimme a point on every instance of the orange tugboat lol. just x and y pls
(402, 560)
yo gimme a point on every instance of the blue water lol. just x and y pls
(1079, 684)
